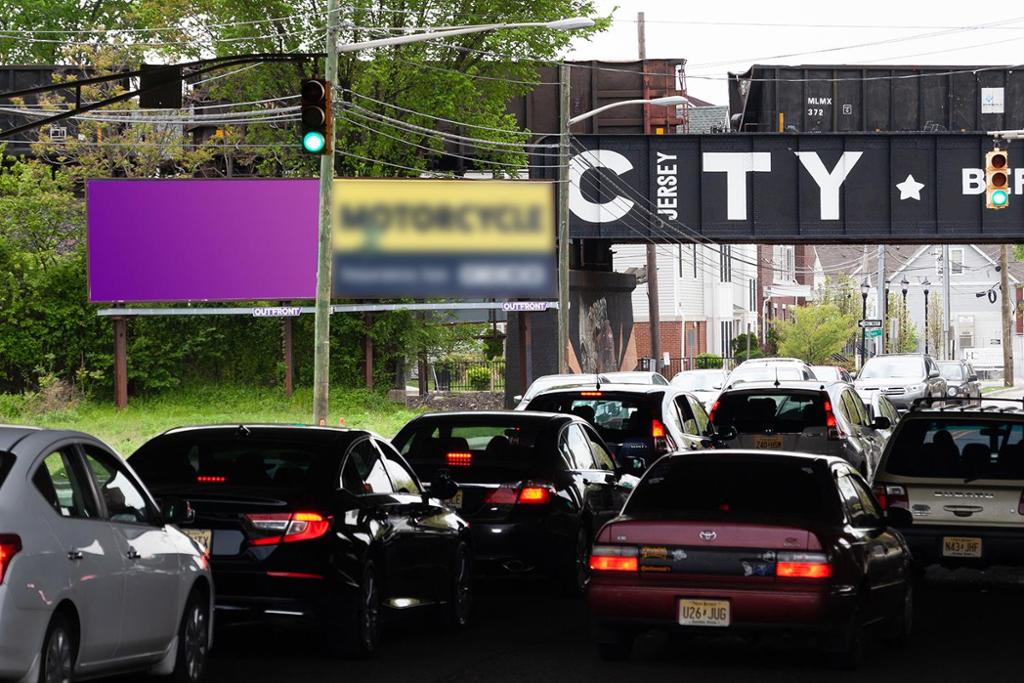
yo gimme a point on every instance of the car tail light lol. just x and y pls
(657, 429)
(662, 441)
(287, 527)
(209, 479)
(9, 547)
(711, 415)
(834, 432)
(802, 566)
(529, 493)
(614, 558)
(892, 496)
(460, 459)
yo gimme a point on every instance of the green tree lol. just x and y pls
(936, 327)
(741, 342)
(815, 333)
(905, 340)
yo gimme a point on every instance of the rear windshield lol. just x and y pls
(953, 371)
(6, 462)
(727, 489)
(892, 367)
(767, 373)
(700, 381)
(194, 459)
(617, 416)
(964, 449)
(500, 452)
(785, 412)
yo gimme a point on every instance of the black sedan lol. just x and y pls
(314, 525)
(535, 486)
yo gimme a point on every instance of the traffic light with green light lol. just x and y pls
(315, 111)
(997, 179)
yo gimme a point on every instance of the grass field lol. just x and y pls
(127, 429)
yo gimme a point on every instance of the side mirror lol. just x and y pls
(176, 510)
(882, 422)
(632, 464)
(517, 398)
(899, 518)
(972, 378)
(442, 486)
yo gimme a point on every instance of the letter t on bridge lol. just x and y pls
(736, 166)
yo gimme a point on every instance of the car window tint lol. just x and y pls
(889, 410)
(858, 514)
(954, 447)
(618, 416)
(779, 411)
(603, 460)
(690, 425)
(402, 480)
(856, 407)
(872, 513)
(60, 485)
(847, 409)
(364, 470)
(579, 446)
(123, 498)
(700, 415)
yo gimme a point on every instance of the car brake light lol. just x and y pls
(891, 496)
(657, 429)
(802, 566)
(9, 547)
(530, 493)
(460, 459)
(614, 558)
(834, 432)
(711, 415)
(591, 394)
(208, 479)
(287, 527)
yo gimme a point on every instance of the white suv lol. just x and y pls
(93, 579)
(961, 475)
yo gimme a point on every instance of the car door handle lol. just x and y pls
(74, 555)
(133, 554)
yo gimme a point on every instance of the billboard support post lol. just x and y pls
(120, 362)
(289, 371)
(368, 350)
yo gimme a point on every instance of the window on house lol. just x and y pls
(726, 263)
(695, 262)
(956, 261)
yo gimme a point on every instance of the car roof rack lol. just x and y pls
(928, 401)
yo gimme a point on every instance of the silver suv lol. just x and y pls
(902, 378)
(808, 417)
(93, 579)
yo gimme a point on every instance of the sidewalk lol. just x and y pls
(1011, 392)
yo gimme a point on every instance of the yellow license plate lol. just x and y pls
(204, 537)
(455, 501)
(768, 442)
(960, 546)
(714, 613)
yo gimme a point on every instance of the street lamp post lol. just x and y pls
(926, 285)
(321, 341)
(564, 155)
(864, 289)
(904, 283)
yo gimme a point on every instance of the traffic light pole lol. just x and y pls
(322, 321)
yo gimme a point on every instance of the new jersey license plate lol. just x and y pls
(714, 613)
(203, 537)
(961, 546)
(768, 442)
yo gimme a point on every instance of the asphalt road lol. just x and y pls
(967, 629)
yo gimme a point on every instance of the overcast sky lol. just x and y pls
(712, 38)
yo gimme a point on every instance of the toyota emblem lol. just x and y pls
(708, 536)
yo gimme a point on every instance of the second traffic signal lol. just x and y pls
(315, 110)
(997, 179)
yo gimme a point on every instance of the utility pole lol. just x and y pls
(882, 302)
(563, 218)
(947, 304)
(322, 321)
(1007, 299)
(653, 308)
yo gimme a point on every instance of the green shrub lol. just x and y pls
(479, 378)
(708, 361)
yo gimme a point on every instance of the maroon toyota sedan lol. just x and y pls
(742, 541)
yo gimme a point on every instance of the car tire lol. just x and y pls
(60, 649)
(846, 651)
(900, 627)
(460, 599)
(615, 646)
(360, 631)
(577, 571)
(193, 641)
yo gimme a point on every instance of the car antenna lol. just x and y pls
(777, 382)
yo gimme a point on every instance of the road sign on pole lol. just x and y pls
(874, 332)
(869, 322)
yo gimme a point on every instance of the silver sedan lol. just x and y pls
(93, 578)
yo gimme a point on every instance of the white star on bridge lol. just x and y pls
(910, 189)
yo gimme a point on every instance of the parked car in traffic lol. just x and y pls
(94, 579)
(637, 421)
(770, 370)
(902, 378)
(810, 417)
(704, 384)
(535, 487)
(961, 380)
(546, 382)
(960, 472)
(832, 373)
(879, 406)
(747, 541)
(635, 377)
(315, 526)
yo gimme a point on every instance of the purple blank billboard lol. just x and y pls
(202, 240)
